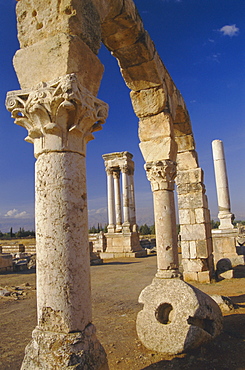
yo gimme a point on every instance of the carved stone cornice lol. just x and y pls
(161, 174)
(60, 115)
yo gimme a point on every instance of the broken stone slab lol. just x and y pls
(229, 274)
(176, 317)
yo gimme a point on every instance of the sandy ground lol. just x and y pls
(116, 286)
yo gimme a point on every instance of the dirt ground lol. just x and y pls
(116, 286)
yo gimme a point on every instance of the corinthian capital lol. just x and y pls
(58, 115)
(161, 174)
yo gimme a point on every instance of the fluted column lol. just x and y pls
(161, 174)
(111, 200)
(60, 117)
(116, 175)
(225, 215)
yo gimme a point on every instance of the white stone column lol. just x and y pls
(225, 215)
(161, 174)
(111, 201)
(53, 115)
(126, 219)
(132, 212)
(118, 207)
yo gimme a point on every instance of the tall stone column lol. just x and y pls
(225, 215)
(132, 201)
(60, 117)
(161, 174)
(126, 219)
(111, 201)
(116, 175)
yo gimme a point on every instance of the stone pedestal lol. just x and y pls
(176, 317)
(123, 245)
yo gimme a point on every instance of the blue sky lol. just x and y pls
(201, 43)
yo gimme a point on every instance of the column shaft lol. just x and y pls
(125, 197)
(62, 243)
(118, 201)
(111, 201)
(222, 187)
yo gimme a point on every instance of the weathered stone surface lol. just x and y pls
(149, 102)
(55, 351)
(141, 51)
(226, 275)
(145, 75)
(224, 303)
(187, 160)
(185, 142)
(124, 29)
(61, 55)
(172, 325)
(158, 149)
(193, 265)
(155, 127)
(39, 20)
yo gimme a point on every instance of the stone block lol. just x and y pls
(193, 249)
(185, 249)
(185, 142)
(146, 75)
(192, 200)
(141, 51)
(200, 215)
(158, 149)
(202, 250)
(229, 274)
(176, 317)
(155, 127)
(193, 265)
(149, 101)
(204, 277)
(55, 57)
(6, 262)
(190, 276)
(124, 29)
(39, 20)
(193, 232)
(187, 160)
(184, 217)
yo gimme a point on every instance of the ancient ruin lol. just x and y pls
(226, 237)
(122, 239)
(60, 74)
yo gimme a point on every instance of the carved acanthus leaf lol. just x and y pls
(161, 174)
(57, 108)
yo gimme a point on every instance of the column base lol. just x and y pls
(176, 317)
(56, 351)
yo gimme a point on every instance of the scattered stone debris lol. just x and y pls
(224, 303)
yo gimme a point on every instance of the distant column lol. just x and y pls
(116, 176)
(132, 200)
(111, 200)
(225, 215)
(126, 223)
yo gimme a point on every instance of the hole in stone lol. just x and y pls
(34, 13)
(162, 313)
(205, 324)
(39, 26)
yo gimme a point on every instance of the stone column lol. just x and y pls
(161, 174)
(132, 201)
(111, 201)
(54, 115)
(126, 219)
(116, 175)
(225, 215)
